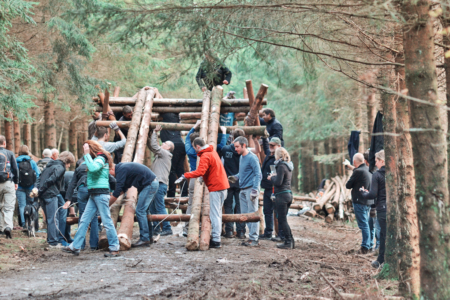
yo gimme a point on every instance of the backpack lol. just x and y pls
(5, 167)
(27, 176)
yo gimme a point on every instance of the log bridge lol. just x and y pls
(148, 104)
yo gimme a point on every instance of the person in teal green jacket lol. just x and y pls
(99, 163)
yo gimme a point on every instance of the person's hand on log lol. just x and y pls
(233, 179)
(180, 180)
(86, 149)
(197, 124)
(254, 195)
(225, 82)
(66, 205)
(224, 129)
(114, 126)
(346, 162)
(158, 128)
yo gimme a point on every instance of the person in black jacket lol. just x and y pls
(268, 205)
(212, 72)
(178, 154)
(77, 191)
(273, 126)
(378, 191)
(7, 188)
(48, 188)
(283, 194)
(361, 177)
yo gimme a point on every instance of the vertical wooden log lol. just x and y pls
(193, 242)
(50, 127)
(213, 130)
(17, 142)
(125, 230)
(145, 128)
(9, 131)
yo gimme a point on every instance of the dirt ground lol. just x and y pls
(168, 270)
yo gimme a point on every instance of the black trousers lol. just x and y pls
(233, 193)
(177, 169)
(282, 203)
(268, 207)
(381, 217)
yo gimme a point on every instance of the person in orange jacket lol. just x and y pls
(215, 178)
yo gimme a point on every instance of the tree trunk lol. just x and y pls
(9, 131)
(35, 143)
(409, 250)
(429, 151)
(17, 142)
(27, 134)
(80, 140)
(73, 147)
(141, 144)
(192, 242)
(295, 173)
(50, 127)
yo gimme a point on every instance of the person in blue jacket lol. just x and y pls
(26, 182)
(192, 157)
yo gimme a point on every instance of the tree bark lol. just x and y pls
(192, 242)
(73, 147)
(141, 144)
(50, 127)
(295, 173)
(27, 134)
(9, 131)
(121, 101)
(35, 144)
(429, 151)
(17, 142)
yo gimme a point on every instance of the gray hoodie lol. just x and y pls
(163, 159)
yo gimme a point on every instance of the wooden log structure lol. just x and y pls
(121, 101)
(125, 231)
(254, 130)
(193, 243)
(183, 109)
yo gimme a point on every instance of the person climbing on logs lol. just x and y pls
(99, 164)
(102, 137)
(281, 181)
(215, 178)
(212, 72)
(127, 115)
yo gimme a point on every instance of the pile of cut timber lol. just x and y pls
(334, 202)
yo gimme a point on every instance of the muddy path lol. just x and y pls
(168, 270)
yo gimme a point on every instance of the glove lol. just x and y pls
(34, 193)
(114, 126)
(180, 180)
(254, 194)
(232, 179)
(346, 163)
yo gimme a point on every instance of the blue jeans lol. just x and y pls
(50, 207)
(96, 203)
(249, 206)
(374, 231)
(23, 199)
(83, 198)
(143, 203)
(362, 217)
(64, 231)
(157, 206)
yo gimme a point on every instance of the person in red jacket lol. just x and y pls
(215, 178)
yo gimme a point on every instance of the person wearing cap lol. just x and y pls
(269, 147)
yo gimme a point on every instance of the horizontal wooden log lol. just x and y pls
(184, 109)
(304, 198)
(176, 200)
(121, 101)
(251, 217)
(254, 130)
(296, 206)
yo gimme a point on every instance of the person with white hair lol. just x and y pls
(46, 158)
(55, 154)
(361, 178)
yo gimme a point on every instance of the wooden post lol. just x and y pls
(192, 242)
(125, 230)
(145, 128)
(9, 131)
(213, 130)
(17, 142)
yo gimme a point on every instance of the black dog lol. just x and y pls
(31, 216)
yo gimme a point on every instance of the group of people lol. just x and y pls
(369, 203)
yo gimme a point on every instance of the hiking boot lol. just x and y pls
(112, 254)
(140, 243)
(376, 264)
(7, 232)
(229, 235)
(166, 232)
(213, 244)
(363, 251)
(265, 237)
(277, 239)
(68, 250)
(240, 235)
(250, 243)
(286, 245)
